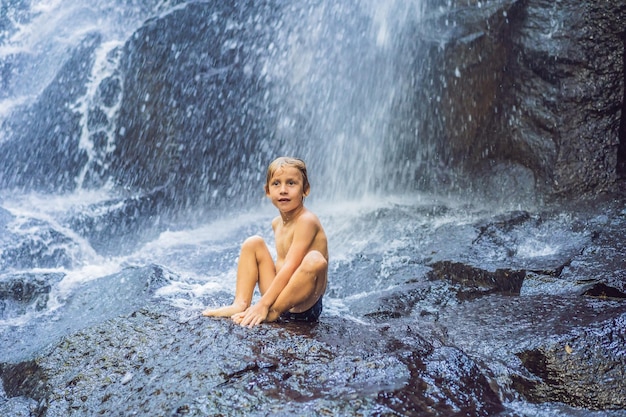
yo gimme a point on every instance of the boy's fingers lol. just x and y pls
(247, 320)
(251, 321)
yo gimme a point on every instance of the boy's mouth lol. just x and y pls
(283, 200)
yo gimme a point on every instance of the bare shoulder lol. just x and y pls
(309, 218)
(311, 223)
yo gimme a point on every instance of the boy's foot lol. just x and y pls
(226, 311)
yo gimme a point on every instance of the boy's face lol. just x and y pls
(286, 189)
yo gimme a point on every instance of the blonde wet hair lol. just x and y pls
(284, 161)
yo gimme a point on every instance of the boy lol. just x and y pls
(293, 286)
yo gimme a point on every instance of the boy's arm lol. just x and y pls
(303, 236)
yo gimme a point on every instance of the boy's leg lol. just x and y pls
(255, 265)
(304, 288)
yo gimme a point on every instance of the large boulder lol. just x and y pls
(526, 96)
(192, 115)
(157, 361)
(565, 92)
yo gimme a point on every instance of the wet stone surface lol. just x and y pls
(157, 362)
(20, 293)
(585, 368)
(524, 308)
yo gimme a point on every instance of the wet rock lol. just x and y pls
(528, 94)
(37, 244)
(556, 103)
(191, 104)
(118, 225)
(198, 366)
(584, 369)
(524, 342)
(23, 379)
(602, 260)
(434, 378)
(43, 151)
(91, 303)
(501, 240)
(475, 281)
(20, 293)
(400, 301)
(5, 216)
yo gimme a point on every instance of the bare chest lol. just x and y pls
(284, 238)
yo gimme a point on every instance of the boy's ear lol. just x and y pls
(307, 191)
(267, 190)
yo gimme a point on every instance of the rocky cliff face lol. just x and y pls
(516, 95)
(538, 85)
(191, 110)
(521, 96)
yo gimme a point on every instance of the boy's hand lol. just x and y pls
(253, 315)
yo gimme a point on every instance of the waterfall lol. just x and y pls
(36, 38)
(341, 78)
(322, 80)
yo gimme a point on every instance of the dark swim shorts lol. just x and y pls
(311, 315)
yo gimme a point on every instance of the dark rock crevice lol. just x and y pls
(476, 281)
(603, 291)
(20, 293)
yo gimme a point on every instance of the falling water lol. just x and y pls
(339, 88)
(331, 78)
(37, 35)
(97, 164)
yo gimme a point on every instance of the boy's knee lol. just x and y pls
(253, 241)
(314, 261)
